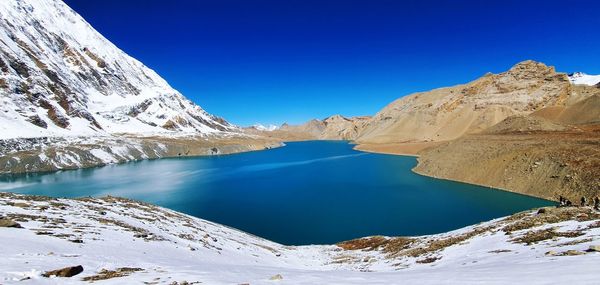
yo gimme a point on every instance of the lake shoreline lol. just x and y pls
(413, 149)
(260, 143)
(276, 186)
(404, 149)
(123, 233)
(92, 152)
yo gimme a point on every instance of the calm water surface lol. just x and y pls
(305, 193)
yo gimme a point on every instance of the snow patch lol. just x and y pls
(581, 78)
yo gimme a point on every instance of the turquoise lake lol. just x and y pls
(313, 192)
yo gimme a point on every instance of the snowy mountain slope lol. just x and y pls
(61, 153)
(267, 128)
(151, 244)
(60, 77)
(585, 79)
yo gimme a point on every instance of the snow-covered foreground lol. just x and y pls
(136, 242)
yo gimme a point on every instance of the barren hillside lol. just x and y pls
(448, 113)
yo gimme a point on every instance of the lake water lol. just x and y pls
(304, 193)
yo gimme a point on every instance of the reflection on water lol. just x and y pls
(306, 192)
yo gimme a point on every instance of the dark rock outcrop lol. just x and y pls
(64, 272)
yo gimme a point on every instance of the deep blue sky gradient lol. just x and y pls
(275, 61)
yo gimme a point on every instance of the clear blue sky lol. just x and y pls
(275, 61)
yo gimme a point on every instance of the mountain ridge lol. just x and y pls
(448, 113)
(71, 99)
(60, 77)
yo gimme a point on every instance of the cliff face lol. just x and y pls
(448, 113)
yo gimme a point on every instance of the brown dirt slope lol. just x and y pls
(554, 151)
(411, 149)
(538, 163)
(586, 111)
(524, 124)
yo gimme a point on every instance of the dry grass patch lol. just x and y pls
(430, 259)
(368, 243)
(386, 245)
(434, 245)
(412, 247)
(105, 274)
(546, 234)
(575, 242)
(550, 215)
(500, 251)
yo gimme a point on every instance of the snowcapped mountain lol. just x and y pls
(60, 77)
(268, 128)
(585, 79)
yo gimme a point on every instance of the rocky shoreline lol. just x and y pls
(544, 165)
(52, 154)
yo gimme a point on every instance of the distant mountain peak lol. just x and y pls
(268, 128)
(582, 78)
(577, 74)
(529, 68)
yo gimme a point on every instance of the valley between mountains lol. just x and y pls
(71, 99)
(78, 101)
(529, 130)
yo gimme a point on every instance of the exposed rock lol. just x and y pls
(7, 223)
(106, 274)
(430, 259)
(36, 120)
(595, 248)
(520, 124)
(448, 113)
(70, 70)
(572, 252)
(65, 272)
(47, 154)
(276, 277)
(336, 127)
(568, 162)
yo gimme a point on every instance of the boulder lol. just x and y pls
(64, 272)
(276, 277)
(595, 248)
(572, 252)
(7, 223)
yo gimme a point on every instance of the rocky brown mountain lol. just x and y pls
(448, 113)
